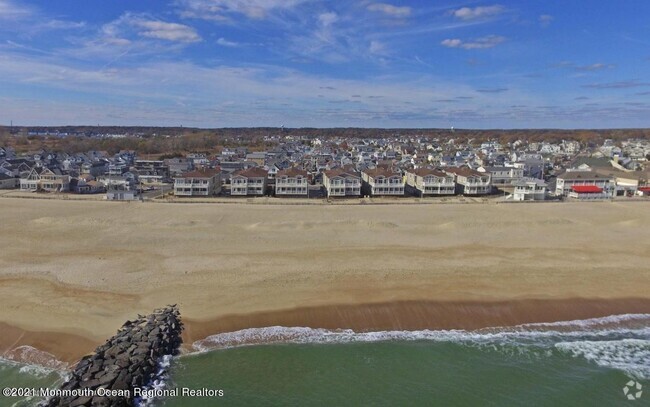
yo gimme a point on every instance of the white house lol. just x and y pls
(201, 182)
(425, 181)
(470, 182)
(291, 182)
(251, 181)
(570, 178)
(530, 189)
(382, 181)
(44, 179)
(342, 182)
(503, 175)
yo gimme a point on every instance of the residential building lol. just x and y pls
(251, 181)
(7, 181)
(257, 157)
(88, 187)
(45, 179)
(151, 171)
(503, 175)
(201, 182)
(530, 189)
(429, 182)
(341, 182)
(571, 178)
(470, 182)
(382, 181)
(178, 165)
(292, 181)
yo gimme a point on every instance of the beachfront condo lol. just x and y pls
(429, 182)
(342, 182)
(291, 182)
(469, 181)
(249, 182)
(382, 181)
(201, 182)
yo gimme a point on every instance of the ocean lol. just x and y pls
(574, 363)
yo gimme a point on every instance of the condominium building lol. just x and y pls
(249, 182)
(429, 182)
(342, 182)
(382, 181)
(291, 182)
(201, 182)
(469, 181)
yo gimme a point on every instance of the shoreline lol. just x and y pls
(391, 316)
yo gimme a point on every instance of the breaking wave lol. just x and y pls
(619, 341)
(34, 362)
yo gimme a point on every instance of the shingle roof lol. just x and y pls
(201, 173)
(582, 175)
(292, 172)
(464, 171)
(341, 172)
(381, 171)
(253, 172)
(423, 172)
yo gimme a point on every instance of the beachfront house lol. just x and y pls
(469, 181)
(45, 179)
(249, 182)
(429, 182)
(503, 175)
(342, 182)
(7, 181)
(201, 182)
(566, 181)
(382, 181)
(291, 182)
(529, 189)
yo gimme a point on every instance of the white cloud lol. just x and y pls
(63, 25)
(473, 13)
(390, 10)
(218, 10)
(594, 67)
(167, 31)
(11, 11)
(225, 43)
(377, 47)
(479, 43)
(122, 31)
(329, 18)
(545, 20)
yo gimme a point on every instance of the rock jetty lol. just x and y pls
(127, 361)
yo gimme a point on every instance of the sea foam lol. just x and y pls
(617, 341)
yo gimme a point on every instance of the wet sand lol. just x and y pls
(83, 268)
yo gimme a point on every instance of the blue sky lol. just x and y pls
(310, 63)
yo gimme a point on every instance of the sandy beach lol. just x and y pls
(71, 272)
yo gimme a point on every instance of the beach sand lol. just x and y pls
(71, 272)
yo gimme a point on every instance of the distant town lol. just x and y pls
(321, 165)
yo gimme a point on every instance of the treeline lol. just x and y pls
(165, 140)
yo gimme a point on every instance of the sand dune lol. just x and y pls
(83, 267)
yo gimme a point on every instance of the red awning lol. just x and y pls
(586, 189)
(644, 189)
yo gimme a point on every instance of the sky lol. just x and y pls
(313, 63)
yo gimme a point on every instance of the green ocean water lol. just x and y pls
(584, 364)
